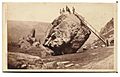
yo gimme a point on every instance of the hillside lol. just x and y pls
(109, 26)
(18, 29)
(107, 32)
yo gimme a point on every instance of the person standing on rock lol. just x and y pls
(63, 10)
(73, 9)
(60, 11)
(67, 9)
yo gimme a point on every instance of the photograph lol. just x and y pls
(59, 37)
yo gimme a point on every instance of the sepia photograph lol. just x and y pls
(59, 37)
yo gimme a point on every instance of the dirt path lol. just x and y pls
(85, 59)
(100, 58)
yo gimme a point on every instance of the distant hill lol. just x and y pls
(18, 29)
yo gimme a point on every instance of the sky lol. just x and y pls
(97, 14)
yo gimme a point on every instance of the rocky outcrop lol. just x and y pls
(109, 26)
(107, 32)
(67, 35)
(23, 61)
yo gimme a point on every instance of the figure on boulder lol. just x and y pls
(73, 9)
(60, 11)
(67, 9)
(63, 10)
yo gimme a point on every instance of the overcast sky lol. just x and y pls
(96, 14)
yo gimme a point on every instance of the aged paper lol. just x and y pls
(59, 37)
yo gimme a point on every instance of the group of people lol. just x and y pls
(67, 10)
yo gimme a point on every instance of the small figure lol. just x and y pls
(73, 9)
(63, 10)
(60, 11)
(67, 9)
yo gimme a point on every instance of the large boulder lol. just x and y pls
(67, 35)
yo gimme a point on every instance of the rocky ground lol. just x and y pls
(100, 58)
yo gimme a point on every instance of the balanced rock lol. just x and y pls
(68, 34)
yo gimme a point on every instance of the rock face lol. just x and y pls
(107, 32)
(109, 26)
(67, 35)
(23, 61)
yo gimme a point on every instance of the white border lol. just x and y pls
(68, 74)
